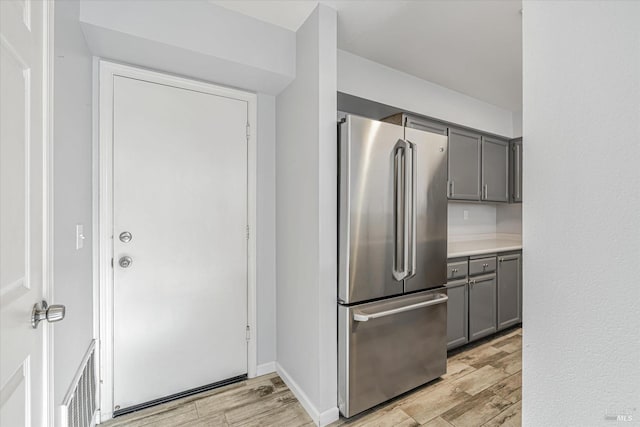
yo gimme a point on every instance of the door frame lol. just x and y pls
(104, 72)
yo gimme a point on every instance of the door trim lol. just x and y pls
(48, 293)
(104, 72)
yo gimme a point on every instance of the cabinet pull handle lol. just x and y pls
(517, 174)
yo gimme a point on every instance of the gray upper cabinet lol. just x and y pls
(403, 119)
(481, 167)
(495, 170)
(482, 306)
(464, 165)
(426, 125)
(515, 170)
(509, 290)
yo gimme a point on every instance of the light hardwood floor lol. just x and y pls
(482, 387)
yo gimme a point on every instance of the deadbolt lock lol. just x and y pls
(125, 237)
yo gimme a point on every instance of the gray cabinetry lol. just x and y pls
(515, 170)
(464, 165)
(415, 122)
(495, 169)
(457, 314)
(483, 265)
(426, 125)
(457, 270)
(482, 306)
(509, 290)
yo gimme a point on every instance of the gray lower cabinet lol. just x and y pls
(457, 311)
(515, 170)
(495, 170)
(482, 306)
(509, 290)
(464, 165)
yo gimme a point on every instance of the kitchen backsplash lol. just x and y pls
(467, 219)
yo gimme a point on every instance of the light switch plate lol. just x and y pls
(465, 214)
(79, 236)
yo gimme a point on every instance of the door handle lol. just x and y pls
(125, 261)
(42, 311)
(361, 317)
(414, 210)
(401, 213)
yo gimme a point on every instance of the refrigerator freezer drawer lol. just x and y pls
(389, 347)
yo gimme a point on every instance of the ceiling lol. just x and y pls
(471, 46)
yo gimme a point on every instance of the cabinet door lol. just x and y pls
(464, 165)
(482, 306)
(495, 170)
(457, 308)
(426, 125)
(515, 170)
(509, 290)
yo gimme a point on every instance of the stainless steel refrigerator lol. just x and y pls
(392, 307)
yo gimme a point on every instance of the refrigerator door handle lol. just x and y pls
(362, 317)
(401, 210)
(412, 200)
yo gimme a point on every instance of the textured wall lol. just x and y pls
(580, 212)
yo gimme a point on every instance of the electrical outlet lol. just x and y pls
(79, 236)
(465, 214)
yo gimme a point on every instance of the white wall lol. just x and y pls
(581, 225)
(72, 157)
(306, 172)
(370, 80)
(195, 38)
(517, 124)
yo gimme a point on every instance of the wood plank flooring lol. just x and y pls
(482, 387)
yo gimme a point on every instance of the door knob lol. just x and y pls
(42, 311)
(125, 237)
(125, 261)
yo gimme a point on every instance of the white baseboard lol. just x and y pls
(320, 419)
(265, 368)
(329, 416)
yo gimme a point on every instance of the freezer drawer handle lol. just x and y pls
(360, 317)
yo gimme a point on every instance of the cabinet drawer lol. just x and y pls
(457, 270)
(482, 266)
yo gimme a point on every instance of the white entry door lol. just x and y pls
(179, 240)
(23, 214)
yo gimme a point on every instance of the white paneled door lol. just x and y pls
(179, 240)
(23, 209)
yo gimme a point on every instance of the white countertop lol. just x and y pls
(461, 246)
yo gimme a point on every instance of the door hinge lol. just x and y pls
(248, 130)
(111, 262)
(247, 232)
(248, 333)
